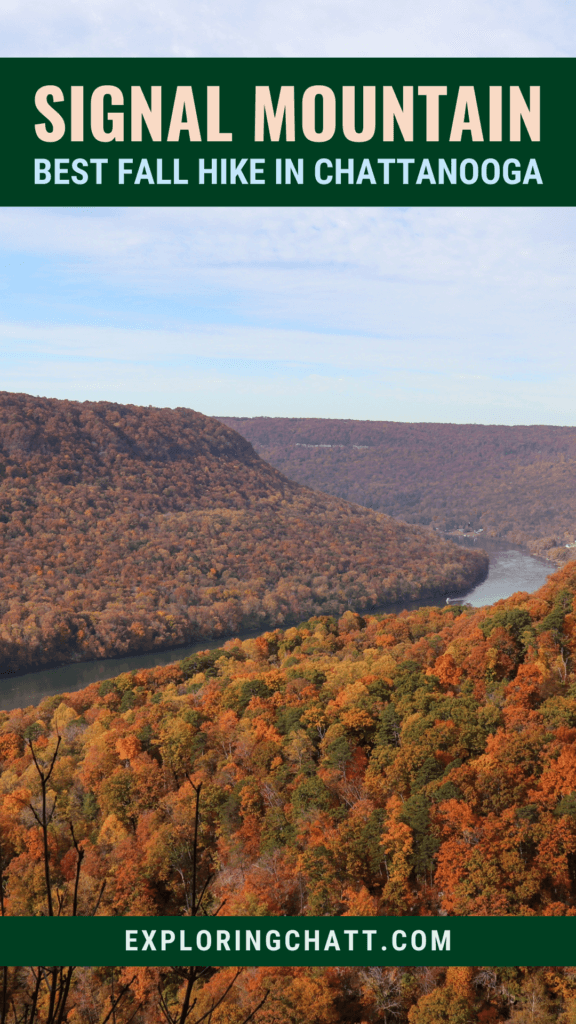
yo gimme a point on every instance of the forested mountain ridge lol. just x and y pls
(421, 763)
(125, 529)
(516, 483)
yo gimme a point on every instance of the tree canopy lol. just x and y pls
(517, 483)
(127, 529)
(420, 763)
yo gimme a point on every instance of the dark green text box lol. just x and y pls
(65, 161)
(289, 941)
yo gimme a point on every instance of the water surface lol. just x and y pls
(22, 690)
(511, 570)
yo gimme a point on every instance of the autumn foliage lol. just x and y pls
(517, 483)
(126, 529)
(420, 763)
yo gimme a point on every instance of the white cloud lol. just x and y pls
(317, 28)
(456, 313)
(446, 282)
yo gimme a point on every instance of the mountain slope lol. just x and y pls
(517, 483)
(125, 529)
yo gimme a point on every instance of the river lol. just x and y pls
(511, 569)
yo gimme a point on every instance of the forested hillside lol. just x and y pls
(126, 529)
(517, 483)
(421, 763)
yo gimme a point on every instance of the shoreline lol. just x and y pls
(210, 642)
(457, 537)
(431, 596)
(508, 569)
(82, 673)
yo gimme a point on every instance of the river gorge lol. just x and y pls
(511, 569)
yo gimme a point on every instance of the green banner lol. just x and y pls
(288, 132)
(289, 941)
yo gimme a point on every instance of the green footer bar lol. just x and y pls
(289, 941)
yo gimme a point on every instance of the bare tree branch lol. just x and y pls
(221, 1000)
(100, 895)
(115, 1002)
(45, 821)
(80, 853)
(256, 1008)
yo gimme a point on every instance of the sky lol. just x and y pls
(413, 314)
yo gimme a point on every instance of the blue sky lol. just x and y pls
(455, 315)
